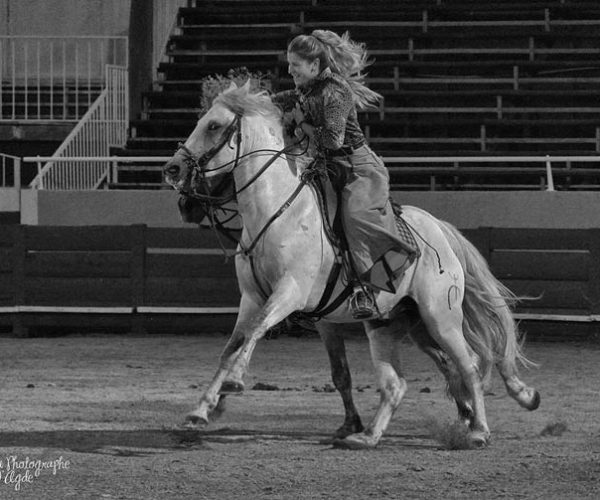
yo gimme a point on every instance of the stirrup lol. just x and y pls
(362, 304)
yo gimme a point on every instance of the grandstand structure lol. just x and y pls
(477, 98)
(470, 84)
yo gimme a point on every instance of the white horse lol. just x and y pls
(448, 300)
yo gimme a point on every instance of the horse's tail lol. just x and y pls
(488, 325)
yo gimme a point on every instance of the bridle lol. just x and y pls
(197, 165)
(210, 203)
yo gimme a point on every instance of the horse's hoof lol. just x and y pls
(478, 440)
(343, 432)
(194, 421)
(535, 402)
(355, 442)
(348, 429)
(231, 387)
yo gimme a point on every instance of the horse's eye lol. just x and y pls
(213, 126)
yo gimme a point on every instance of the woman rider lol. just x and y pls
(327, 72)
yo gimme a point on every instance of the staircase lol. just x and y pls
(459, 78)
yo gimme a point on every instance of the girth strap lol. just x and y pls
(264, 294)
(321, 310)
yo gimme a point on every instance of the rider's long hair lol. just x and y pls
(343, 56)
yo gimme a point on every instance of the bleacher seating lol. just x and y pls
(459, 77)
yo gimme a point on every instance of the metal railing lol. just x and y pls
(111, 164)
(106, 168)
(10, 171)
(104, 125)
(55, 78)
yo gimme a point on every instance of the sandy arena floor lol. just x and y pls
(104, 413)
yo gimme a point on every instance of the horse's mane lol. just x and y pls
(243, 102)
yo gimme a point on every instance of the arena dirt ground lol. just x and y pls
(105, 411)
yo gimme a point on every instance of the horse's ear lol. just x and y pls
(246, 86)
(232, 86)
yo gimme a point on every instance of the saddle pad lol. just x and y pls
(406, 235)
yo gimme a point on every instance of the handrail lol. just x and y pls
(391, 159)
(411, 51)
(548, 160)
(108, 172)
(104, 125)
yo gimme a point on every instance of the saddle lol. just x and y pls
(328, 184)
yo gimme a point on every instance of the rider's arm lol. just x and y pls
(337, 104)
(286, 100)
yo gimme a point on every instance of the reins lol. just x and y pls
(304, 179)
(211, 203)
(197, 166)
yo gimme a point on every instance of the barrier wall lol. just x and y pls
(470, 209)
(129, 277)
(138, 278)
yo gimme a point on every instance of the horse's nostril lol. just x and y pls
(171, 170)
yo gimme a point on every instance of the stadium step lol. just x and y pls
(458, 78)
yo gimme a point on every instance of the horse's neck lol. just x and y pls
(265, 195)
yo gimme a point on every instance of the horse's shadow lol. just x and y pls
(112, 442)
(145, 442)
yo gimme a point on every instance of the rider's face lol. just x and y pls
(302, 70)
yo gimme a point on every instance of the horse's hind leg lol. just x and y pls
(456, 387)
(415, 327)
(526, 396)
(385, 348)
(445, 326)
(333, 339)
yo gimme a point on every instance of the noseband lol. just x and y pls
(197, 165)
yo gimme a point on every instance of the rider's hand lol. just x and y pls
(298, 114)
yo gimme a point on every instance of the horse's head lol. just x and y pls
(215, 148)
(207, 152)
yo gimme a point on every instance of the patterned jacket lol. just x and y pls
(327, 103)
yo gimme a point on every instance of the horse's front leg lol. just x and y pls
(333, 338)
(253, 322)
(212, 400)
